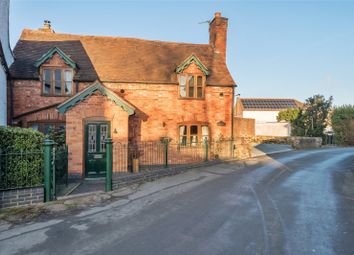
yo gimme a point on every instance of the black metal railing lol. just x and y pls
(146, 156)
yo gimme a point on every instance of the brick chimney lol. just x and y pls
(47, 27)
(218, 34)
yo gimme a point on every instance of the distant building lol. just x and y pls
(265, 112)
(6, 58)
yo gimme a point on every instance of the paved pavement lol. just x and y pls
(291, 203)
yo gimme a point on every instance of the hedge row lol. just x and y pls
(21, 157)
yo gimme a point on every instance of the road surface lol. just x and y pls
(293, 203)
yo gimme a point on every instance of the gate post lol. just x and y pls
(109, 164)
(48, 148)
(206, 149)
(166, 152)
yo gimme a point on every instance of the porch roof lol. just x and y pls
(96, 86)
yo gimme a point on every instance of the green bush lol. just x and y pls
(21, 157)
(343, 124)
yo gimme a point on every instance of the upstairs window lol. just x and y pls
(191, 86)
(192, 135)
(57, 82)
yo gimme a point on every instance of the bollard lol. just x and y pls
(48, 148)
(109, 164)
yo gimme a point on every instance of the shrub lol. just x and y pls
(21, 158)
(343, 124)
(58, 135)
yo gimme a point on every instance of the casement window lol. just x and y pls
(193, 134)
(191, 86)
(57, 82)
(46, 127)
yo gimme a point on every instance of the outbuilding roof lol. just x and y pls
(259, 104)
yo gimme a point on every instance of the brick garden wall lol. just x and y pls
(20, 197)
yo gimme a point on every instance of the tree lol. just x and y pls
(343, 124)
(289, 114)
(312, 118)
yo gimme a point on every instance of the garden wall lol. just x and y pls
(20, 197)
(244, 127)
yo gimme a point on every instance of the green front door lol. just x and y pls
(95, 148)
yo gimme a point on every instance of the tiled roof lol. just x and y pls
(135, 60)
(28, 52)
(268, 103)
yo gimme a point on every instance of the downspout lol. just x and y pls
(232, 113)
(232, 123)
(11, 103)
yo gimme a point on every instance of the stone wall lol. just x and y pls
(301, 143)
(20, 197)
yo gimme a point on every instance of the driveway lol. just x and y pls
(298, 202)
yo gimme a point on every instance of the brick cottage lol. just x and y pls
(132, 90)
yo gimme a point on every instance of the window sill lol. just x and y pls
(191, 98)
(46, 95)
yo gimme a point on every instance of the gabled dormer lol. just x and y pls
(56, 72)
(192, 76)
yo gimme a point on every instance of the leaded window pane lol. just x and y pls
(199, 87)
(194, 135)
(57, 76)
(47, 81)
(103, 136)
(191, 86)
(92, 139)
(182, 85)
(68, 77)
(183, 135)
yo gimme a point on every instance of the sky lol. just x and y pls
(275, 49)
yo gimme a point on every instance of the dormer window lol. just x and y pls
(191, 86)
(56, 70)
(57, 81)
(191, 76)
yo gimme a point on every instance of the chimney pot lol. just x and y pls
(217, 14)
(47, 27)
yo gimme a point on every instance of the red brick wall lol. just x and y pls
(27, 97)
(160, 110)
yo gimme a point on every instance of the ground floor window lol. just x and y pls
(46, 127)
(193, 134)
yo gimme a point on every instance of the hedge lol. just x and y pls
(343, 124)
(21, 157)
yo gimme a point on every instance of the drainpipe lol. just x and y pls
(232, 113)
(11, 103)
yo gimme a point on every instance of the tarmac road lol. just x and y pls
(299, 202)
